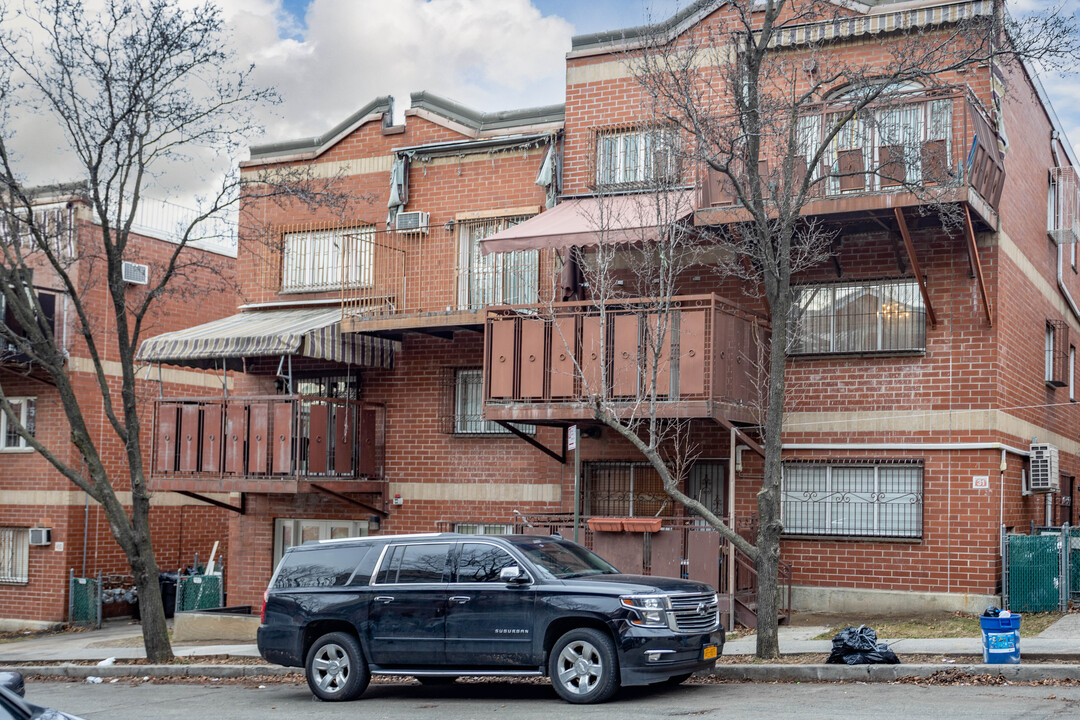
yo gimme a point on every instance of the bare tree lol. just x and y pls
(762, 95)
(135, 86)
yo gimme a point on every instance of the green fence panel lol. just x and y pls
(84, 601)
(198, 592)
(1033, 573)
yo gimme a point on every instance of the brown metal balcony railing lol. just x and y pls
(271, 438)
(545, 363)
(917, 140)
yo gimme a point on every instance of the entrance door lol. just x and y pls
(707, 484)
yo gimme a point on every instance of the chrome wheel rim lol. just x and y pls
(330, 668)
(580, 667)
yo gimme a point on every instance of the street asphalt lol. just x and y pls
(119, 641)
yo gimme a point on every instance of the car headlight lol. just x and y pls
(649, 610)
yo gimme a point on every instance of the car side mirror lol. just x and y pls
(512, 575)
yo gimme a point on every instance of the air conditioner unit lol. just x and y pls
(413, 221)
(40, 536)
(1044, 468)
(135, 273)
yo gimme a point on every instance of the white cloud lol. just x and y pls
(487, 54)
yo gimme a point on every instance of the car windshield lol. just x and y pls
(565, 559)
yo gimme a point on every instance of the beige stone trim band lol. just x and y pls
(113, 368)
(477, 492)
(71, 498)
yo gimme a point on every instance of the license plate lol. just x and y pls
(709, 653)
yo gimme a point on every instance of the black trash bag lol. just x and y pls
(991, 612)
(859, 646)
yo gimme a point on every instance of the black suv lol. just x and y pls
(444, 605)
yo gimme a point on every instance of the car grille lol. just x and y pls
(695, 613)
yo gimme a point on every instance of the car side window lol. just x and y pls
(422, 563)
(481, 562)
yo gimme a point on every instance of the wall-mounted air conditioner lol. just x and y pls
(40, 536)
(1044, 467)
(135, 273)
(413, 221)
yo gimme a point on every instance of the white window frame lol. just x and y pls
(328, 259)
(629, 157)
(1048, 354)
(14, 555)
(25, 403)
(874, 497)
(502, 278)
(484, 528)
(1072, 373)
(295, 528)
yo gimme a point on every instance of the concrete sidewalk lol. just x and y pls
(121, 640)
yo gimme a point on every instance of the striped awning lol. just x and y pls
(310, 332)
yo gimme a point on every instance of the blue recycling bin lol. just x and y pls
(1001, 640)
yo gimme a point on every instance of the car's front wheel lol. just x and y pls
(583, 667)
(336, 669)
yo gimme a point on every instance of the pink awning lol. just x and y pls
(595, 220)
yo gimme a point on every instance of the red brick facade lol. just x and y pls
(34, 494)
(965, 407)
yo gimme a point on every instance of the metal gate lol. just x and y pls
(1041, 572)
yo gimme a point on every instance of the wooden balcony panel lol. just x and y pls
(266, 444)
(709, 360)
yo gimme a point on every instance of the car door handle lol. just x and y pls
(460, 599)
(384, 599)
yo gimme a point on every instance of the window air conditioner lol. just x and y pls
(135, 273)
(413, 221)
(1044, 468)
(40, 536)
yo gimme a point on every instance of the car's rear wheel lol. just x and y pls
(583, 667)
(336, 669)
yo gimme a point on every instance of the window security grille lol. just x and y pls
(865, 317)
(853, 500)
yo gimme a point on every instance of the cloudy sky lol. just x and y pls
(329, 57)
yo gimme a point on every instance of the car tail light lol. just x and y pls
(262, 613)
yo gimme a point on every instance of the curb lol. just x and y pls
(103, 671)
(888, 673)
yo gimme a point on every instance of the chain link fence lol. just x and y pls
(84, 600)
(199, 592)
(1041, 571)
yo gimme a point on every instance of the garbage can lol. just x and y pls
(1001, 639)
(167, 585)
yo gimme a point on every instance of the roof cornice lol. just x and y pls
(481, 122)
(381, 109)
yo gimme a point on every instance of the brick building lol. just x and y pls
(931, 380)
(35, 567)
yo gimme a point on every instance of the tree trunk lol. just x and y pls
(155, 632)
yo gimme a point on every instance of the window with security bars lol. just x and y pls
(637, 157)
(503, 278)
(462, 410)
(623, 489)
(25, 408)
(484, 528)
(1056, 353)
(863, 317)
(14, 555)
(853, 500)
(328, 259)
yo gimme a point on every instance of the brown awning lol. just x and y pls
(595, 220)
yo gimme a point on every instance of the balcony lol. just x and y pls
(919, 148)
(270, 444)
(546, 365)
(390, 282)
